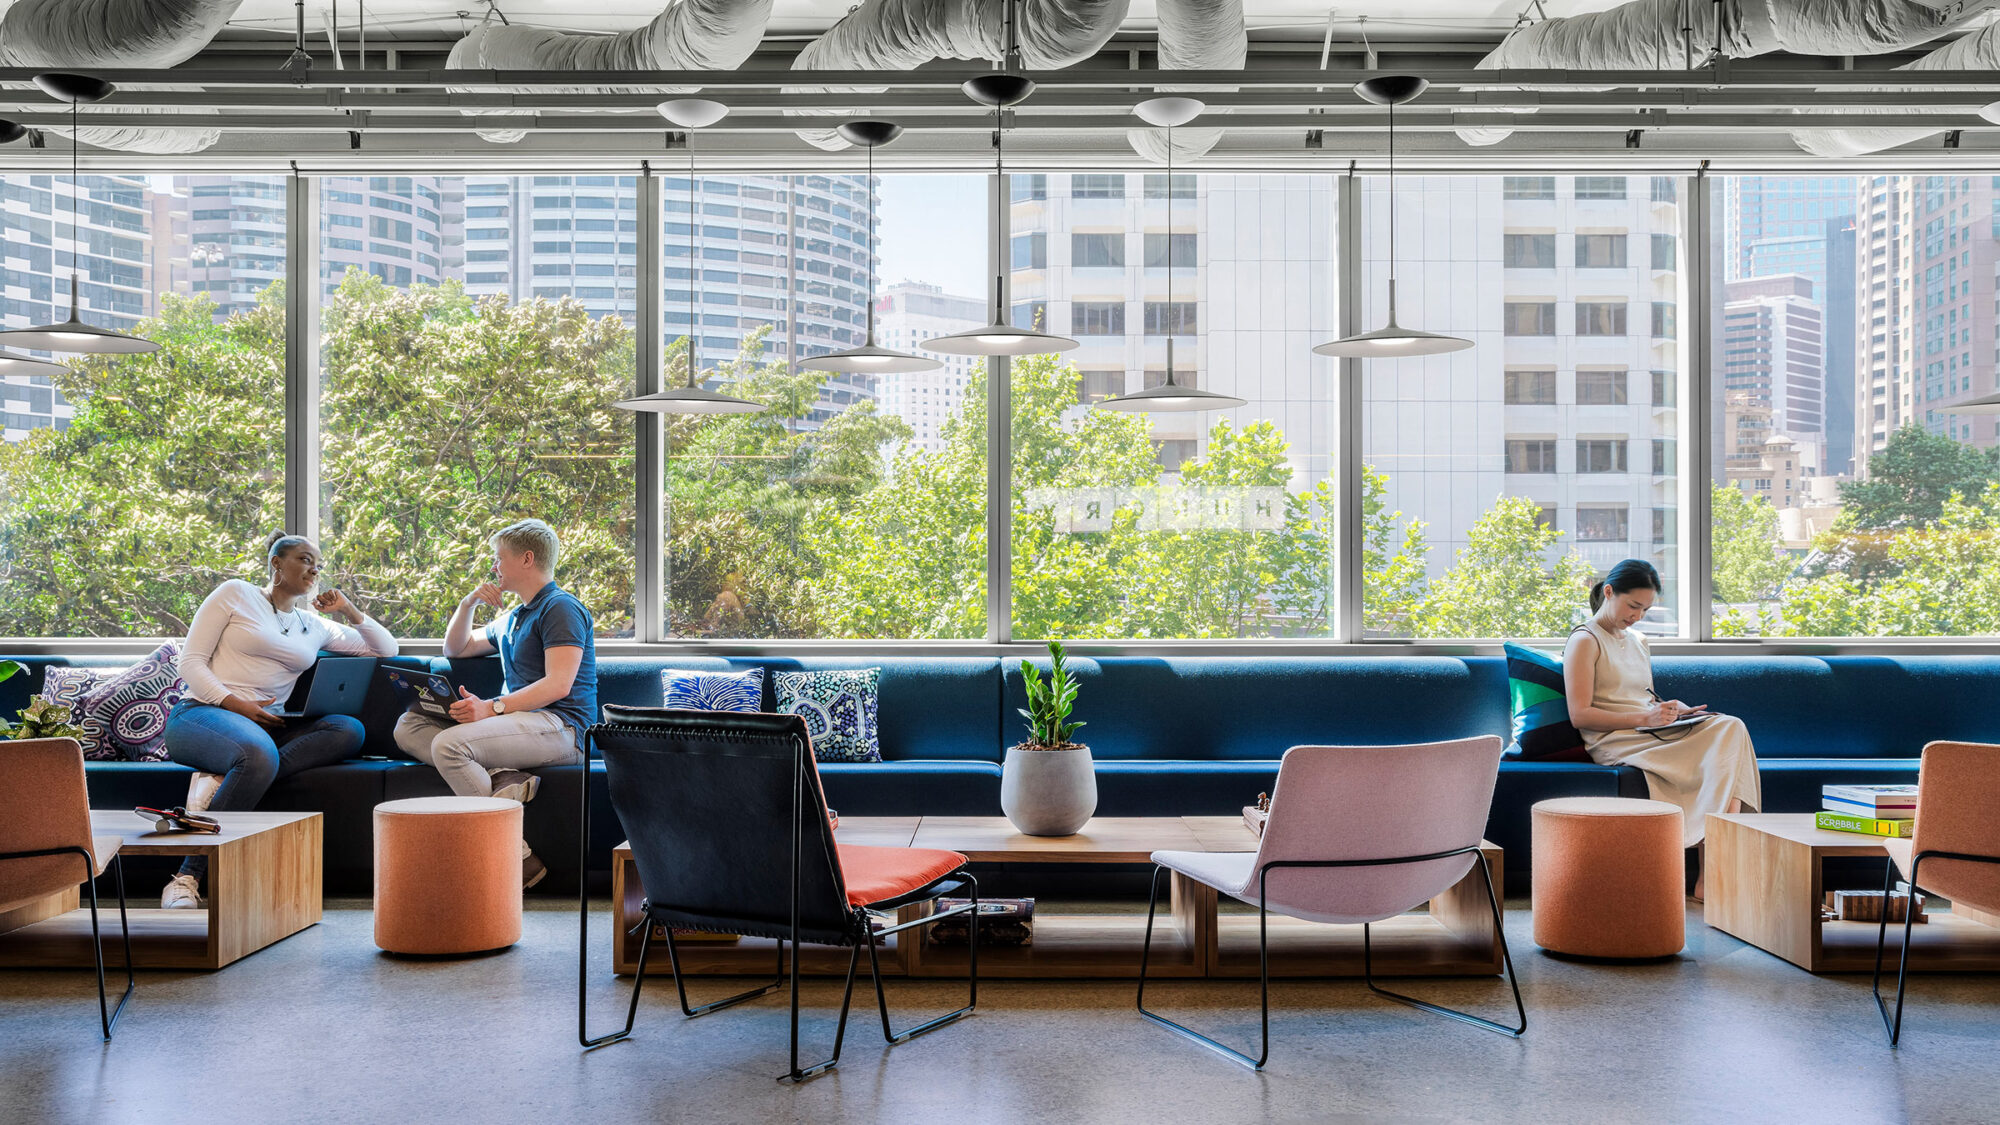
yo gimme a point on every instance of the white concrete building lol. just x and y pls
(907, 314)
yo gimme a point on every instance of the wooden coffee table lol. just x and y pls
(1194, 935)
(1763, 880)
(263, 886)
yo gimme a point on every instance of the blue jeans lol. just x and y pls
(250, 757)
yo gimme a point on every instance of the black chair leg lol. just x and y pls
(1894, 1025)
(110, 1020)
(799, 1073)
(631, 1009)
(1263, 982)
(972, 957)
(674, 958)
(1506, 960)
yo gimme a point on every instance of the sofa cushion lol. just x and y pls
(68, 687)
(133, 704)
(912, 788)
(1542, 730)
(840, 710)
(688, 689)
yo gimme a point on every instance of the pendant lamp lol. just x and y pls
(1166, 113)
(73, 335)
(1392, 341)
(1000, 338)
(1984, 404)
(869, 359)
(692, 113)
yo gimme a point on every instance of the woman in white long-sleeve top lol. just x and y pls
(1706, 767)
(244, 654)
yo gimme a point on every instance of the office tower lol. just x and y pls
(1773, 352)
(907, 314)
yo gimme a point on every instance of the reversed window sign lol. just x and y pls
(1165, 507)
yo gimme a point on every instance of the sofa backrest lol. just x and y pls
(942, 707)
(1257, 707)
(1843, 706)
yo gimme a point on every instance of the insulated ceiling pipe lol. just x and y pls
(83, 35)
(905, 34)
(1978, 51)
(690, 35)
(1194, 35)
(1648, 35)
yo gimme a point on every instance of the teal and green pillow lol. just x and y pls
(1542, 730)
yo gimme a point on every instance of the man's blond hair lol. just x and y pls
(530, 537)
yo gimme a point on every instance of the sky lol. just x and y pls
(933, 229)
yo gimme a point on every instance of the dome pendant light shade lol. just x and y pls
(868, 359)
(1000, 338)
(1984, 404)
(73, 335)
(1392, 340)
(13, 363)
(691, 113)
(1169, 396)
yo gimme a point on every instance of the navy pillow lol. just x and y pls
(1542, 730)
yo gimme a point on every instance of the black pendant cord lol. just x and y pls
(1392, 212)
(694, 259)
(1168, 317)
(868, 295)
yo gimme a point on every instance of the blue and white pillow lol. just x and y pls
(839, 709)
(67, 687)
(713, 691)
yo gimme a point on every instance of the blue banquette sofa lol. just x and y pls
(1173, 735)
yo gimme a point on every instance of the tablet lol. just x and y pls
(1677, 724)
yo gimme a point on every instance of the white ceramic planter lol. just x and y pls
(1048, 792)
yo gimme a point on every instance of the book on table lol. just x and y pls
(1881, 802)
(1900, 828)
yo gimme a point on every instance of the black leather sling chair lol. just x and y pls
(728, 827)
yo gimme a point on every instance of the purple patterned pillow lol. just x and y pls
(133, 704)
(66, 687)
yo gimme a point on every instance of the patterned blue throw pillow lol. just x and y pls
(1542, 730)
(133, 705)
(713, 691)
(839, 709)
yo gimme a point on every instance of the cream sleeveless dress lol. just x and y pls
(1701, 771)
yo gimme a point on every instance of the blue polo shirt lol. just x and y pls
(553, 618)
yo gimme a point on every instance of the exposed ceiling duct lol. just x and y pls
(89, 34)
(689, 35)
(1978, 51)
(1665, 34)
(1194, 35)
(905, 34)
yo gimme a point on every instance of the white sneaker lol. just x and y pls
(182, 893)
(201, 790)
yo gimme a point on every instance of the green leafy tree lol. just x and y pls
(1393, 555)
(1501, 584)
(1909, 480)
(1941, 582)
(1749, 560)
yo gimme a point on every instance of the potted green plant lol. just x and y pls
(1047, 786)
(40, 718)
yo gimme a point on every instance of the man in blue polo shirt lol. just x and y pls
(548, 660)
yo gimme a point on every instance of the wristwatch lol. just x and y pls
(499, 707)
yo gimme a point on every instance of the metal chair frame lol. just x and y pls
(864, 934)
(1367, 955)
(107, 1015)
(1894, 1025)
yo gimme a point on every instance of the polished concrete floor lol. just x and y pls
(322, 1027)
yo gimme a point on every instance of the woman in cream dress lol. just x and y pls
(1708, 767)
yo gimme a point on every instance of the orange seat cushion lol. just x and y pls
(875, 874)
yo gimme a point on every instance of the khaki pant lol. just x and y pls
(465, 752)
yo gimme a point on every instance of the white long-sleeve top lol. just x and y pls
(238, 646)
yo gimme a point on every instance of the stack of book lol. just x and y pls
(1002, 921)
(1871, 810)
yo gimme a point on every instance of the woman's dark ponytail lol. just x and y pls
(1627, 576)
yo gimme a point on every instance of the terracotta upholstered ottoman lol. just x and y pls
(1607, 877)
(447, 874)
